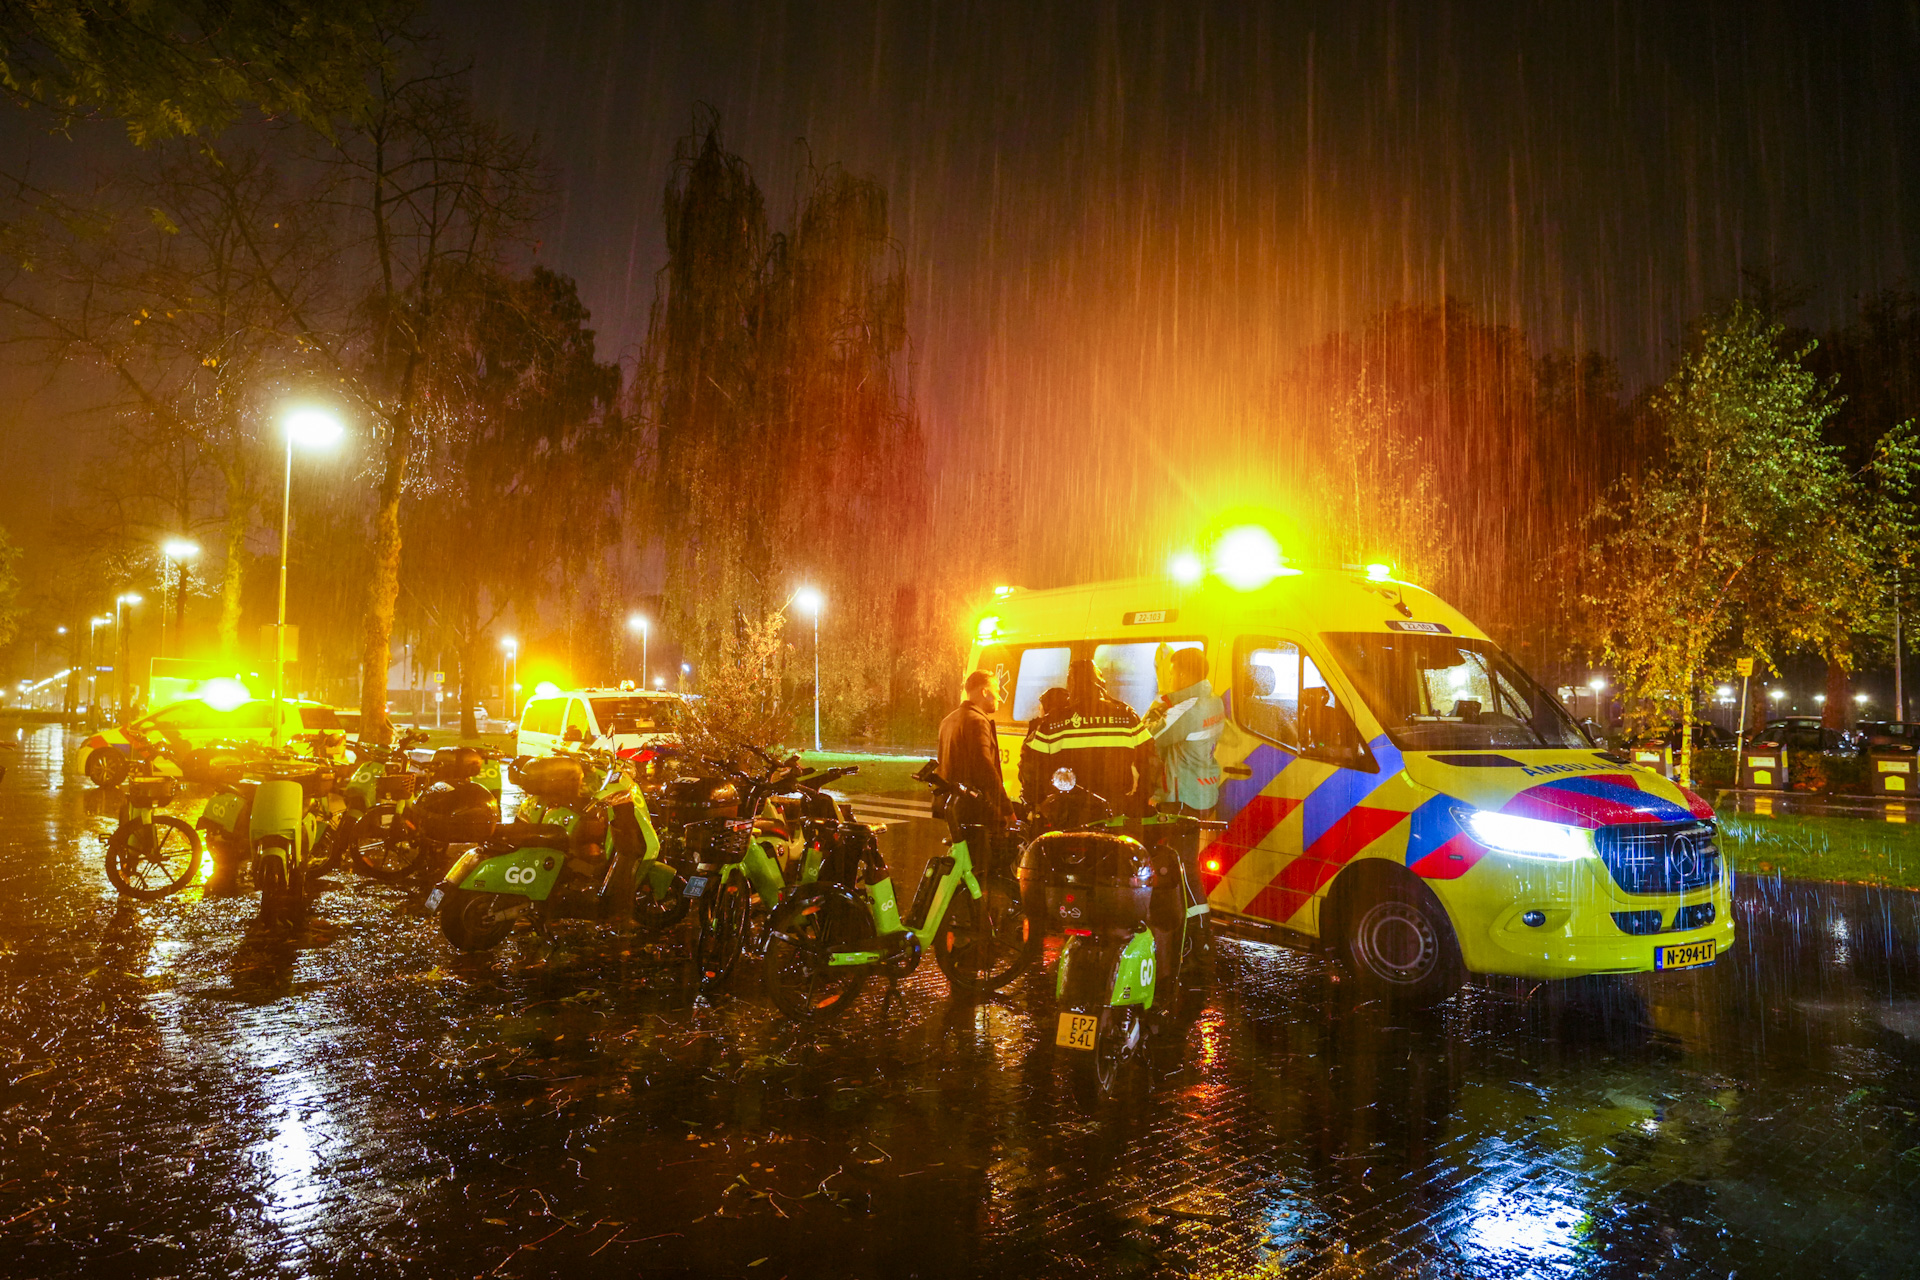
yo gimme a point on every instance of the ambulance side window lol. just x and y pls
(1040, 670)
(1131, 671)
(1266, 688)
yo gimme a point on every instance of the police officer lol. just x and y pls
(1098, 737)
(1035, 783)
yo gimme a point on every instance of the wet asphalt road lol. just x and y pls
(181, 1094)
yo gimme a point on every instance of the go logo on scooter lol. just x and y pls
(521, 875)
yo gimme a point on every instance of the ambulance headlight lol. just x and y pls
(1526, 837)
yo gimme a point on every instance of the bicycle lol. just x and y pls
(824, 941)
(151, 855)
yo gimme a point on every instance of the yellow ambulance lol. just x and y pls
(1396, 790)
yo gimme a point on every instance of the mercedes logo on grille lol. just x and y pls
(1685, 857)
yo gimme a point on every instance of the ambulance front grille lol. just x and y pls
(1659, 857)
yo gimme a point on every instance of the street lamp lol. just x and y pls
(178, 551)
(810, 599)
(310, 429)
(638, 622)
(509, 667)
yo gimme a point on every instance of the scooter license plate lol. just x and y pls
(1077, 1030)
(386, 819)
(696, 885)
(435, 898)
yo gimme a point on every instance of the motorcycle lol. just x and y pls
(570, 854)
(1123, 891)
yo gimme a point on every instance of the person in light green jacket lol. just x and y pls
(1186, 725)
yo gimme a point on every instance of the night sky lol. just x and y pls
(1121, 221)
(1115, 213)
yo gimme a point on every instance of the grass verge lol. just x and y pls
(1823, 847)
(878, 776)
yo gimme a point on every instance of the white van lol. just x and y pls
(622, 720)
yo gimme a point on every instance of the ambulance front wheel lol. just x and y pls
(1394, 937)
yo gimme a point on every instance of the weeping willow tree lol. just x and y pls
(517, 479)
(786, 448)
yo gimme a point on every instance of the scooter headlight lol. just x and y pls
(1526, 837)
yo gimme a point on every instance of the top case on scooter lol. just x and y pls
(1095, 880)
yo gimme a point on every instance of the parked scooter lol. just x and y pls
(573, 853)
(406, 830)
(758, 858)
(1123, 892)
(280, 822)
(826, 938)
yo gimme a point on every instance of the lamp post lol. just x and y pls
(93, 664)
(509, 663)
(122, 642)
(178, 551)
(812, 601)
(638, 622)
(1597, 684)
(313, 429)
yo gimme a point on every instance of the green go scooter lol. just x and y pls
(1136, 924)
(278, 821)
(826, 938)
(572, 853)
(763, 857)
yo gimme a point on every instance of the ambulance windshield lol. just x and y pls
(1447, 693)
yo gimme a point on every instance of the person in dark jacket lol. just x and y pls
(970, 753)
(1036, 769)
(1099, 738)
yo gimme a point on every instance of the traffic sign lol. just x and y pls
(1743, 667)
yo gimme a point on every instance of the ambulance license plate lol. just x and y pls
(435, 898)
(1077, 1030)
(696, 885)
(1686, 955)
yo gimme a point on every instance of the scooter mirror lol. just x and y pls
(1064, 780)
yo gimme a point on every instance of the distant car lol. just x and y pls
(623, 720)
(1888, 735)
(1705, 734)
(193, 724)
(1807, 733)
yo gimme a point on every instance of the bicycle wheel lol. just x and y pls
(723, 932)
(804, 931)
(386, 845)
(152, 860)
(986, 943)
